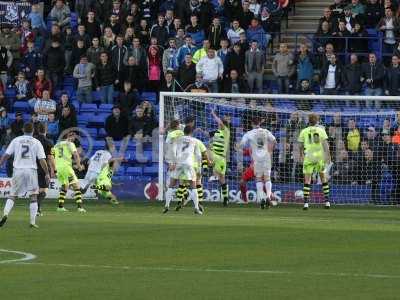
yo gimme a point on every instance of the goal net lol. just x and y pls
(363, 136)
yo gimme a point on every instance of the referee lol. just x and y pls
(40, 134)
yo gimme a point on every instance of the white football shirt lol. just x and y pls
(99, 160)
(259, 140)
(187, 151)
(26, 149)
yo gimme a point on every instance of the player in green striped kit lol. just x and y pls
(314, 149)
(219, 150)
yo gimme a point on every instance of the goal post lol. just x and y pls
(363, 137)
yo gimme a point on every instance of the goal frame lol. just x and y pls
(161, 118)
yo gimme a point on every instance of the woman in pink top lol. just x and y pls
(154, 69)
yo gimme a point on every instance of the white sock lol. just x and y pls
(169, 195)
(260, 191)
(268, 188)
(33, 207)
(195, 198)
(8, 207)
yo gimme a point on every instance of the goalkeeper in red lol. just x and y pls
(314, 150)
(262, 143)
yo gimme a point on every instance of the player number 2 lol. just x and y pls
(25, 151)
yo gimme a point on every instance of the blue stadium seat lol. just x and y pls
(150, 171)
(91, 131)
(102, 133)
(89, 108)
(134, 171)
(96, 122)
(105, 108)
(21, 106)
(83, 119)
(149, 96)
(120, 171)
(96, 96)
(99, 145)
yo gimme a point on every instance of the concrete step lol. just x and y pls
(309, 18)
(316, 4)
(302, 25)
(296, 30)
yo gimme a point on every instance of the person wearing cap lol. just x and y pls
(61, 14)
(116, 125)
(256, 32)
(187, 48)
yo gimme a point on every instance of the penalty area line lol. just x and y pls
(211, 270)
(25, 256)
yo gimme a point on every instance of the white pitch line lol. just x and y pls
(26, 256)
(210, 270)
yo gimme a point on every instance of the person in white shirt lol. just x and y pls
(212, 69)
(24, 182)
(262, 143)
(234, 32)
(97, 162)
(187, 157)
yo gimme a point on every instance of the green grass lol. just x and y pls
(134, 252)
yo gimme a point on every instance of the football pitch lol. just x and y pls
(134, 252)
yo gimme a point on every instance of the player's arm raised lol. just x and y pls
(217, 119)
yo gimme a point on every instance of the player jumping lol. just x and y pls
(63, 153)
(314, 150)
(24, 182)
(262, 143)
(219, 150)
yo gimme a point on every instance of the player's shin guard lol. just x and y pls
(243, 191)
(40, 198)
(78, 198)
(200, 192)
(61, 198)
(268, 189)
(260, 191)
(169, 196)
(325, 189)
(306, 192)
(224, 192)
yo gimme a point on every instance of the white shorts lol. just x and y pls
(24, 183)
(262, 168)
(91, 177)
(184, 172)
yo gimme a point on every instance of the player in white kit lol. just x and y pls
(187, 156)
(262, 143)
(26, 150)
(97, 162)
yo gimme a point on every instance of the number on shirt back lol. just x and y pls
(97, 157)
(25, 151)
(313, 138)
(61, 154)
